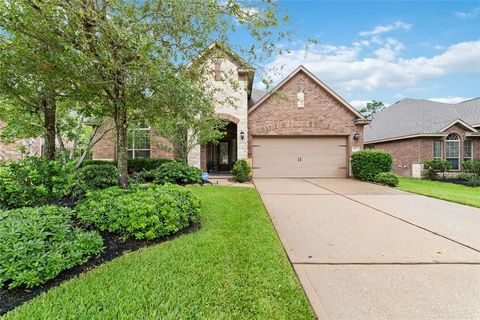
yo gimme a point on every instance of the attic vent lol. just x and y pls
(301, 99)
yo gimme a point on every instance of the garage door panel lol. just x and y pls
(299, 157)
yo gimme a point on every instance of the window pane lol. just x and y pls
(129, 154)
(438, 149)
(142, 154)
(453, 149)
(454, 162)
(467, 149)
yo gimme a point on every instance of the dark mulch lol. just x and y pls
(114, 246)
(459, 181)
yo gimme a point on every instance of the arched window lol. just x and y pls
(453, 150)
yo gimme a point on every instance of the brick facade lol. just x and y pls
(105, 148)
(407, 152)
(322, 114)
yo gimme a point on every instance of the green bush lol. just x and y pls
(36, 244)
(134, 165)
(143, 212)
(242, 172)
(32, 181)
(472, 166)
(387, 178)
(93, 177)
(435, 166)
(366, 164)
(178, 173)
(146, 176)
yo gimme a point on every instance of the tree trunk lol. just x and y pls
(49, 109)
(121, 127)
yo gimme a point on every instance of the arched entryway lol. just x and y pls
(222, 155)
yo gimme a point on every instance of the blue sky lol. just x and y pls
(386, 50)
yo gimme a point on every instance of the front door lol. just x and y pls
(223, 156)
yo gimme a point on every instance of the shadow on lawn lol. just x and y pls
(114, 247)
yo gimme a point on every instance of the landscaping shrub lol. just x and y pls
(36, 244)
(366, 164)
(143, 212)
(178, 173)
(93, 177)
(242, 172)
(472, 166)
(134, 165)
(435, 166)
(146, 176)
(387, 178)
(32, 181)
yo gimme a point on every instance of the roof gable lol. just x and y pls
(462, 123)
(301, 68)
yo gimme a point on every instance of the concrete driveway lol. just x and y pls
(363, 251)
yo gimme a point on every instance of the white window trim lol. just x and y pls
(133, 149)
(459, 151)
(441, 149)
(471, 150)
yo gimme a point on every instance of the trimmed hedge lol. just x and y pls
(387, 178)
(31, 181)
(93, 177)
(36, 244)
(143, 212)
(242, 172)
(134, 165)
(178, 173)
(366, 164)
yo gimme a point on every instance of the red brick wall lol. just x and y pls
(322, 114)
(105, 148)
(416, 150)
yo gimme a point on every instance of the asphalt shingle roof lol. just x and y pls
(412, 116)
(256, 95)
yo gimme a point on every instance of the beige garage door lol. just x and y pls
(299, 157)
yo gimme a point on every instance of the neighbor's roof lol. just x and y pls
(410, 117)
(256, 96)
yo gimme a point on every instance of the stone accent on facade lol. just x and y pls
(321, 114)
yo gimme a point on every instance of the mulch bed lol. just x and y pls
(114, 246)
(459, 181)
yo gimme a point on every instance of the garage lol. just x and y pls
(292, 157)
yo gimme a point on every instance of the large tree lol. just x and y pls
(128, 53)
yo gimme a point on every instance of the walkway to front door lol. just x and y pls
(363, 251)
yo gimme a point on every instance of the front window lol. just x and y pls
(438, 149)
(468, 150)
(139, 142)
(453, 150)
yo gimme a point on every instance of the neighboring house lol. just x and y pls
(417, 130)
(299, 129)
(20, 149)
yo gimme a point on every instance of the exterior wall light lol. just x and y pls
(242, 135)
(356, 136)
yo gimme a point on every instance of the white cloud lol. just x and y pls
(450, 99)
(359, 104)
(386, 28)
(468, 15)
(346, 70)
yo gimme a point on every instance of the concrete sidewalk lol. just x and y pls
(364, 251)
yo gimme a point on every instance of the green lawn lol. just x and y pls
(233, 268)
(441, 190)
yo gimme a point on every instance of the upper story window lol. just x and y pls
(300, 99)
(139, 142)
(468, 150)
(453, 150)
(438, 149)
